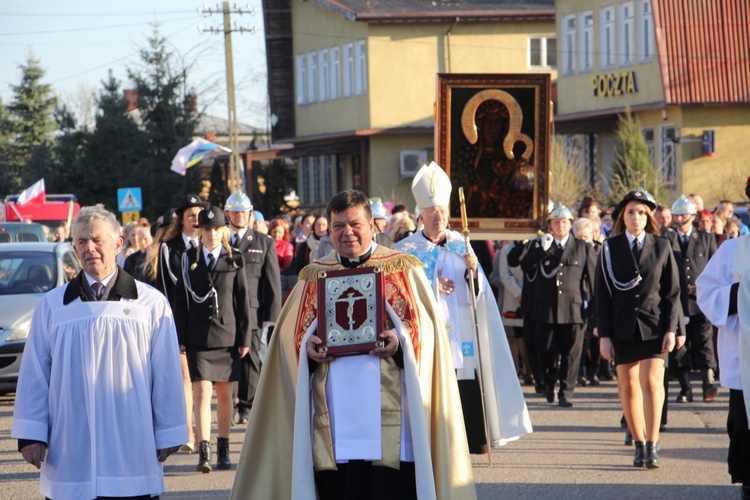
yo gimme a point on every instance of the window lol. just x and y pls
(312, 76)
(304, 181)
(348, 69)
(648, 136)
(586, 45)
(607, 38)
(626, 34)
(542, 52)
(360, 66)
(315, 167)
(569, 44)
(301, 79)
(646, 32)
(327, 162)
(335, 73)
(325, 75)
(667, 160)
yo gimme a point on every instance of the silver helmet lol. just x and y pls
(560, 212)
(378, 209)
(684, 205)
(238, 202)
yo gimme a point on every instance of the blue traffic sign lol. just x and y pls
(129, 199)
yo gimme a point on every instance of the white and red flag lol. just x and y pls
(33, 194)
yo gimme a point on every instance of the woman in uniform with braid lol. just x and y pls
(214, 324)
(638, 309)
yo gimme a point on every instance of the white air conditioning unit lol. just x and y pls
(411, 162)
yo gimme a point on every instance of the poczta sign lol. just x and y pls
(614, 84)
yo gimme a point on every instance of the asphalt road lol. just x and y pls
(575, 453)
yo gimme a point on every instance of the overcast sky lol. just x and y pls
(79, 41)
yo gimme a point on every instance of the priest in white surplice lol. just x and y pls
(99, 404)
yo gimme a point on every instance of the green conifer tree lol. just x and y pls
(632, 167)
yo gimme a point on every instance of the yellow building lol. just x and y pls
(352, 83)
(681, 66)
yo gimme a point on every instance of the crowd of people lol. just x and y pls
(616, 294)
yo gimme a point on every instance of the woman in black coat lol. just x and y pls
(638, 309)
(214, 325)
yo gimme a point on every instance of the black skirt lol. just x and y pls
(638, 350)
(217, 365)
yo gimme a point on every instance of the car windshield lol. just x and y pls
(26, 272)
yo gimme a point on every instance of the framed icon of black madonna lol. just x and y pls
(492, 138)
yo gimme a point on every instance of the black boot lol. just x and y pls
(652, 459)
(628, 437)
(640, 455)
(223, 462)
(204, 457)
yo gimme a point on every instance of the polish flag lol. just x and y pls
(33, 194)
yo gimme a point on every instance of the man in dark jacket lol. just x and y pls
(264, 291)
(692, 248)
(565, 271)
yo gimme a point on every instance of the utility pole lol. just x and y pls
(234, 174)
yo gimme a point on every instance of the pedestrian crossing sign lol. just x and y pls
(129, 199)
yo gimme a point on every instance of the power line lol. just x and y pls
(92, 28)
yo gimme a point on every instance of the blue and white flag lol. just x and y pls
(193, 153)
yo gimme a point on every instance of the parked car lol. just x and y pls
(27, 272)
(21, 231)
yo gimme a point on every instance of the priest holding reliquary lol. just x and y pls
(358, 394)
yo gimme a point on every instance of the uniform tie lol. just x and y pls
(98, 288)
(211, 262)
(636, 249)
(559, 249)
(236, 240)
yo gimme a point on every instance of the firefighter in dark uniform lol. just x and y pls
(264, 292)
(693, 248)
(565, 271)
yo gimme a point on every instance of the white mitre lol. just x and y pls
(431, 187)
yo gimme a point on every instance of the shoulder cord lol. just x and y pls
(165, 254)
(529, 276)
(188, 287)
(554, 269)
(607, 266)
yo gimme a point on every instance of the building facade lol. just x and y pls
(682, 67)
(352, 83)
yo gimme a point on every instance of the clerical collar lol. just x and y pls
(441, 243)
(357, 261)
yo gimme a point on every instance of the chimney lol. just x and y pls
(132, 97)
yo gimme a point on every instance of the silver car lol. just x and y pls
(27, 272)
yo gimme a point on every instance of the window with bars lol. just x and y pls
(304, 180)
(327, 161)
(315, 195)
(667, 160)
(648, 136)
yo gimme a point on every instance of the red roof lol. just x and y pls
(703, 50)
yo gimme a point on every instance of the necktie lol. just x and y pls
(192, 244)
(211, 262)
(98, 288)
(236, 240)
(636, 250)
(683, 243)
(559, 249)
